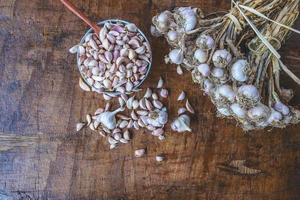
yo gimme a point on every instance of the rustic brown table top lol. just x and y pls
(42, 157)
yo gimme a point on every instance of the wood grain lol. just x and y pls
(40, 99)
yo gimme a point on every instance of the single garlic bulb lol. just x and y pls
(240, 70)
(176, 56)
(275, 117)
(154, 31)
(201, 55)
(281, 107)
(205, 42)
(189, 16)
(238, 110)
(218, 72)
(172, 35)
(221, 58)
(207, 86)
(181, 124)
(248, 95)
(108, 118)
(259, 113)
(227, 92)
(204, 69)
(157, 118)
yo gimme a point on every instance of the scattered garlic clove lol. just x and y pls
(164, 93)
(157, 104)
(179, 70)
(126, 135)
(159, 158)
(88, 119)
(79, 126)
(181, 96)
(189, 107)
(160, 83)
(73, 49)
(154, 96)
(139, 152)
(158, 132)
(83, 85)
(148, 93)
(135, 104)
(181, 111)
(106, 97)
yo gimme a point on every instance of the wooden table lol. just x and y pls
(42, 157)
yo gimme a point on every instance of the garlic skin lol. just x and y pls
(282, 108)
(259, 113)
(238, 110)
(204, 69)
(227, 92)
(239, 70)
(176, 56)
(248, 95)
(189, 17)
(108, 119)
(201, 55)
(172, 35)
(205, 42)
(181, 124)
(221, 58)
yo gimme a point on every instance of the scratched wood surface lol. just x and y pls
(42, 157)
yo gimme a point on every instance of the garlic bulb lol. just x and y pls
(157, 118)
(227, 92)
(108, 119)
(204, 69)
(164, 17)
(281, 107)
(240, 70)
(172, 35)
(218, 72)
(154, 31)
(275, 116)
(189, 17)
(221, 58)
(207, 86)
(248, 95)
(259, 113)
(176, 56)
(238, 110)
(181, 124)
(201, 55)
(205, 42)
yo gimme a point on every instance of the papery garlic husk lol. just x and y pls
(201, 55)
(248, 95)
(259, 113)
(181, 124)
(157, 118)
(108, 119)
(221, 58)
(189, 17)
(163, 21)
(282, 108)
(176, 56)
(205, 42)
(204, 69)
(240, 70)
(238, 110)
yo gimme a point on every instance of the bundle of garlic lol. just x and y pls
(242, 84)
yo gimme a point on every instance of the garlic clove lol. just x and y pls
(189, 107)
(79, 126)
(164, 93)
(181, 111)
(139, 152)
(181, 96)
(160, 83)
(73, 49)
(179, 70)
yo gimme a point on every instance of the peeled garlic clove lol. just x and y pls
(159, 158)
(88, 119)
(160, 83)
(164, 93)
(181, 96)
(79, 126)
(154, 96)
(111, 140)
(179, 70)
(176, 56)
(148, 93)
(189, 107)
(204, 69)
(201, 55)
(139, 152)
(181, 111)
(157, 104)
(205, 42)
(73, 49)
(83, 85)
(240, 70)
(221, 58)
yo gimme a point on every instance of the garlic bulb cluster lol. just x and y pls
(232, 79)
